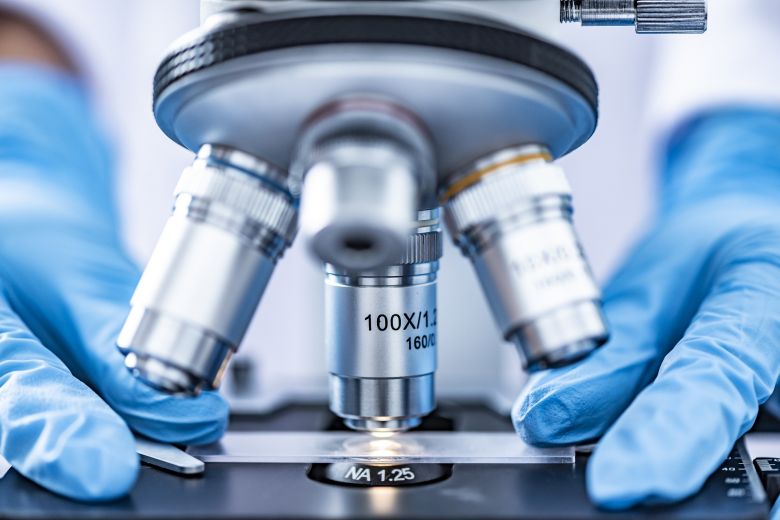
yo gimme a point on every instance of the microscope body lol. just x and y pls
(368, 126)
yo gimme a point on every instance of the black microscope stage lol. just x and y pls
(246, 490)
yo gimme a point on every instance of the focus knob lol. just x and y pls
(648, 16)
(671, 16)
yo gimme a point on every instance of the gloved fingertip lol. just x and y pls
(97, 463)
(555, 413)
(578, 403)
(612, 501)
(163, 417)
(618, 480)
(220, 410)
(617, 498)
(180, 420)
(607, 492)
(214, 413)
(543, 419)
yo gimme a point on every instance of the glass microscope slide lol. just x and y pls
(324, 447)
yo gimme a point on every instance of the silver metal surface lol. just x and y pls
(671, 16)
(168, 457)
(233, 218)
(598, 12)
(324, 447)
(364, 167)
(382, 404)
(503, 10)
(368, 329)
(649, 16)
(557, 337)
(380, 330)
(158, 343)
(510, 213)
(470, 103)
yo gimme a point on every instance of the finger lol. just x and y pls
(79, 309)
(647, 305)
(53, 429)
(708, 389)
(78, 305)
(67, 274)
(180, 420)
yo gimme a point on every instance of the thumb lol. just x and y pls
(646, 314)
(77, 307)
(53, 429)
(709, 387)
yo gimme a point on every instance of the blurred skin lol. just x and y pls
(21, 39)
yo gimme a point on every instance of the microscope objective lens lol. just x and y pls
(381, 336)
(510, 213)
(232, 220)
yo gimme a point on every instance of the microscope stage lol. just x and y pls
(303, 490)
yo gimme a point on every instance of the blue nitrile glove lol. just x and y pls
(65, 286)
(695, 318)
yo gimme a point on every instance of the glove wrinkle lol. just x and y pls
(53, 429)
(708, 388)
(695, 319)
(70, 281)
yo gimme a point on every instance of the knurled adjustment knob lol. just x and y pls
(647, 16)
(671, 16)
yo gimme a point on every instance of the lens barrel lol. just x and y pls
(511, 214)
(381, 335)
(365, 168)
(233, 218)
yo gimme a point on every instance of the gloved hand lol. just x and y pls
(695, 318)
(65, 286)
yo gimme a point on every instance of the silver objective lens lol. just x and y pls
(365, 167)
(233, 218)
(381, 336)
(510, 213)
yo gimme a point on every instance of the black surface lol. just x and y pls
(372, 475)
(365, 475)
(255, 34)
(769, 472)
(553, 491)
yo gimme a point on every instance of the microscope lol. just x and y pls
(364, 129)
(369, 126)
(355, 132)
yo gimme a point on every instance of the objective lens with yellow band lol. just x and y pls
(511, 214)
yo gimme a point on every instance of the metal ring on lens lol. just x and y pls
(491, 164)
(247, 197)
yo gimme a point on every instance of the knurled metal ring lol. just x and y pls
(502, 191)
(242, 193)
(255, 33)
(423, 248)
(671, 16)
